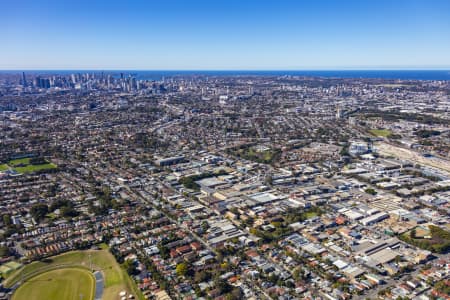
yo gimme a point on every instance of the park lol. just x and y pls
(67, 283)
(70, 276)
(27, 165)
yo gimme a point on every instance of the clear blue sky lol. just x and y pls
(224, 34)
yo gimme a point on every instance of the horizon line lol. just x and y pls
(446, 68)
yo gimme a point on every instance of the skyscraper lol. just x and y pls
(24, 80)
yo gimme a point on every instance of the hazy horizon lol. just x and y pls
(444, 68)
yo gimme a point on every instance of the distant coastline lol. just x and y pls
(357, 74)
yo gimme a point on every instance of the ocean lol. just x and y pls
(159, 74)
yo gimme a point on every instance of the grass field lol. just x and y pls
(310, 214)
(381, 132)
(20, 161)
(69, 283)
(34, 168)
(116, 279)
(24, 165)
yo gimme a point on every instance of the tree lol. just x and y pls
(235, 294)
(163, 251)
(130, 267)
(59, 203)
(201, 276)
(413, 233)
(4, 251)
(205, 226)
(443, 287)
(68, 211)
(181, 269)
(38, 211)
(222, 285)
(296, 274)
(273, 278)
(7, 220)
(198, 291)
(370, 191)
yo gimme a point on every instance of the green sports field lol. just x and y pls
(116, 278)
(34, 168)
(24, 165)
(68, 284)
(19, 161)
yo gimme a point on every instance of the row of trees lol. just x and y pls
(247, 152)
(439, 242)
(39, 211)
(189, 181)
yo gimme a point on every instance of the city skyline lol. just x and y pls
(200, 35)
(225, 149)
